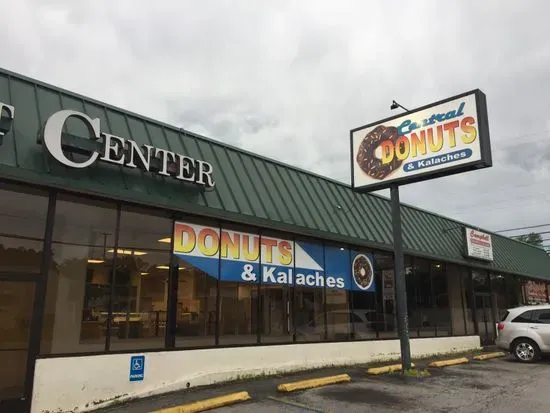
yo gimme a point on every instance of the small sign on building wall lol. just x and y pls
(137, 368)
(479, 245)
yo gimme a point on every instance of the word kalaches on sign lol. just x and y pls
(478, 245)
(444, 138)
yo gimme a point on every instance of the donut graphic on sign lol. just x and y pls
(363, 273)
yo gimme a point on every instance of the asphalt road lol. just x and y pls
(500, 385)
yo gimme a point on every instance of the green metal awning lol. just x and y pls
(249, 189)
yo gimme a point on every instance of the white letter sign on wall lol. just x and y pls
(7, 113)
(52, 136)
(126, 152)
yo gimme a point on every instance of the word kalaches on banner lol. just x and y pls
(443, 138)
(250, 258)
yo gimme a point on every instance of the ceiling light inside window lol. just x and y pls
(128, 252)
(166, 240)
(95, 261)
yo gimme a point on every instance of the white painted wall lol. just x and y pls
(77, 384)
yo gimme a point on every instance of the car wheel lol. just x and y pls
(525, 350)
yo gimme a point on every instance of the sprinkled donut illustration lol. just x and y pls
(367, 160)
(362, 272)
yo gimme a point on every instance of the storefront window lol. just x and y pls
(309, 314)
(277, 324)
(196, 307)
(309, 297)
(276, 312)
(387, 310)
(339, 316)
(78, 290)
(366, 321)
(502, 299)
(412, 297)
(442, 312)
(484, 306)
(141, 280)
(457, 280)
(238, 313)
(424, 320)
(239, 286)
(196, 247)
(22, 225)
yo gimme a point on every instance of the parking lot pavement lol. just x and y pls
(499, 385)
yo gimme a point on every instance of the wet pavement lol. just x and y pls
(499, 385)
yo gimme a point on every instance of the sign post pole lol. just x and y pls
(440, 139)
(400, 285)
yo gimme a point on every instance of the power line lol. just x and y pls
(519, 228)
(468, 210)
(521, 235)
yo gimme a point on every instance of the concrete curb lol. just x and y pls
(488, 356)
(207, 404)
(451, 362)
(309, 384)
(386, 369)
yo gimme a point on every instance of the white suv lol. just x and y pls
(525, 332)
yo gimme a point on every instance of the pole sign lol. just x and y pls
(443, 138)
(479, 245)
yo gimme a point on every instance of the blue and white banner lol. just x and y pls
(246, 257)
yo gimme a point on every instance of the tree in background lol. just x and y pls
(532, 238)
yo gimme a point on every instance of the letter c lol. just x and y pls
(52, 136)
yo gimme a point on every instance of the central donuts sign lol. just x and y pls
(444, 138)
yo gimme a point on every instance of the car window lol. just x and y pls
(505, 316)
(541, 316)
(525, 317)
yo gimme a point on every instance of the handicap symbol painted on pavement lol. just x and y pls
(137, 368)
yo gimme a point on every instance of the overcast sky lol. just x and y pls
(289, 79)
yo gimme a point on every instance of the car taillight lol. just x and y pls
(501, 326)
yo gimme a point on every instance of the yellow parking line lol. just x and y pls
(386, 369)
(451, 362)
(308, 384)
(488, 356)
(207, 404)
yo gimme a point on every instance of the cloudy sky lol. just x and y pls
(288, 79)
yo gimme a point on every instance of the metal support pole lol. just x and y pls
(400, 286)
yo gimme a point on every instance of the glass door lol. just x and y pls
(16, 305)
(486, 326)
